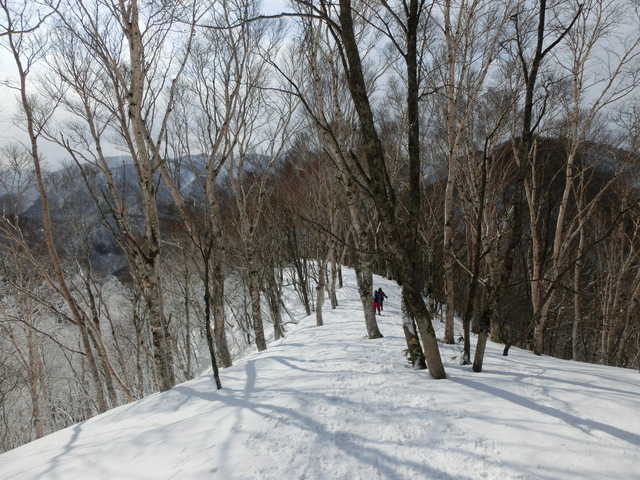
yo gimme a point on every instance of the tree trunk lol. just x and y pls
(146, 261)
(334, 275)
(322, 275)
(381, 190)
(415, 355)
(256, 307)
(451, 177)
(273, 290)
(364, 277)
(484, 329)
(34, 370)
(577, 348)
(207, 321)
(93, 367)
(477, 258)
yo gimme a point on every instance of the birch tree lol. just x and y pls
(24, 24)
(260, 133)
(344, 25)
(538, 31)
(117, 65)
(221, 93)
(328, 105)
(472, 32)
(592, 96)
(584, 107)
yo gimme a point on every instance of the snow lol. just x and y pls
(327, 403)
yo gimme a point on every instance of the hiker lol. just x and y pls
(378, 298)
(381, 297)
(376, 304)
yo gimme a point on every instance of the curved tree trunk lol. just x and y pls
(381, 190)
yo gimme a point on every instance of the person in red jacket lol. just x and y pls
(376, 304)
(378, 300)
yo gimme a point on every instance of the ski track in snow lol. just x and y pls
(335, 424)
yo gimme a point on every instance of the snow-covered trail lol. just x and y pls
(327, 403)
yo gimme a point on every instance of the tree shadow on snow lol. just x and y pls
(569, 419)
(351, 444)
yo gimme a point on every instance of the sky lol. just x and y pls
(55, 155)
(326, 403)
(274, 6)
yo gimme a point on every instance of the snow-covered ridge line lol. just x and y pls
(327, 403)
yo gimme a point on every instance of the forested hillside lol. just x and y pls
(482, 154)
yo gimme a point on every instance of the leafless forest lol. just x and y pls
(483, 153)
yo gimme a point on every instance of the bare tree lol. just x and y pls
(583, 107)
(117, 71)
(328, 105)
(618, 281)
(222, 87)
(261, 131)
(472, 31)
(27, 49)
(597, 25)
(399, 238)
(532, 47)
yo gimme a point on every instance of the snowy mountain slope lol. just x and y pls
(326, 403)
